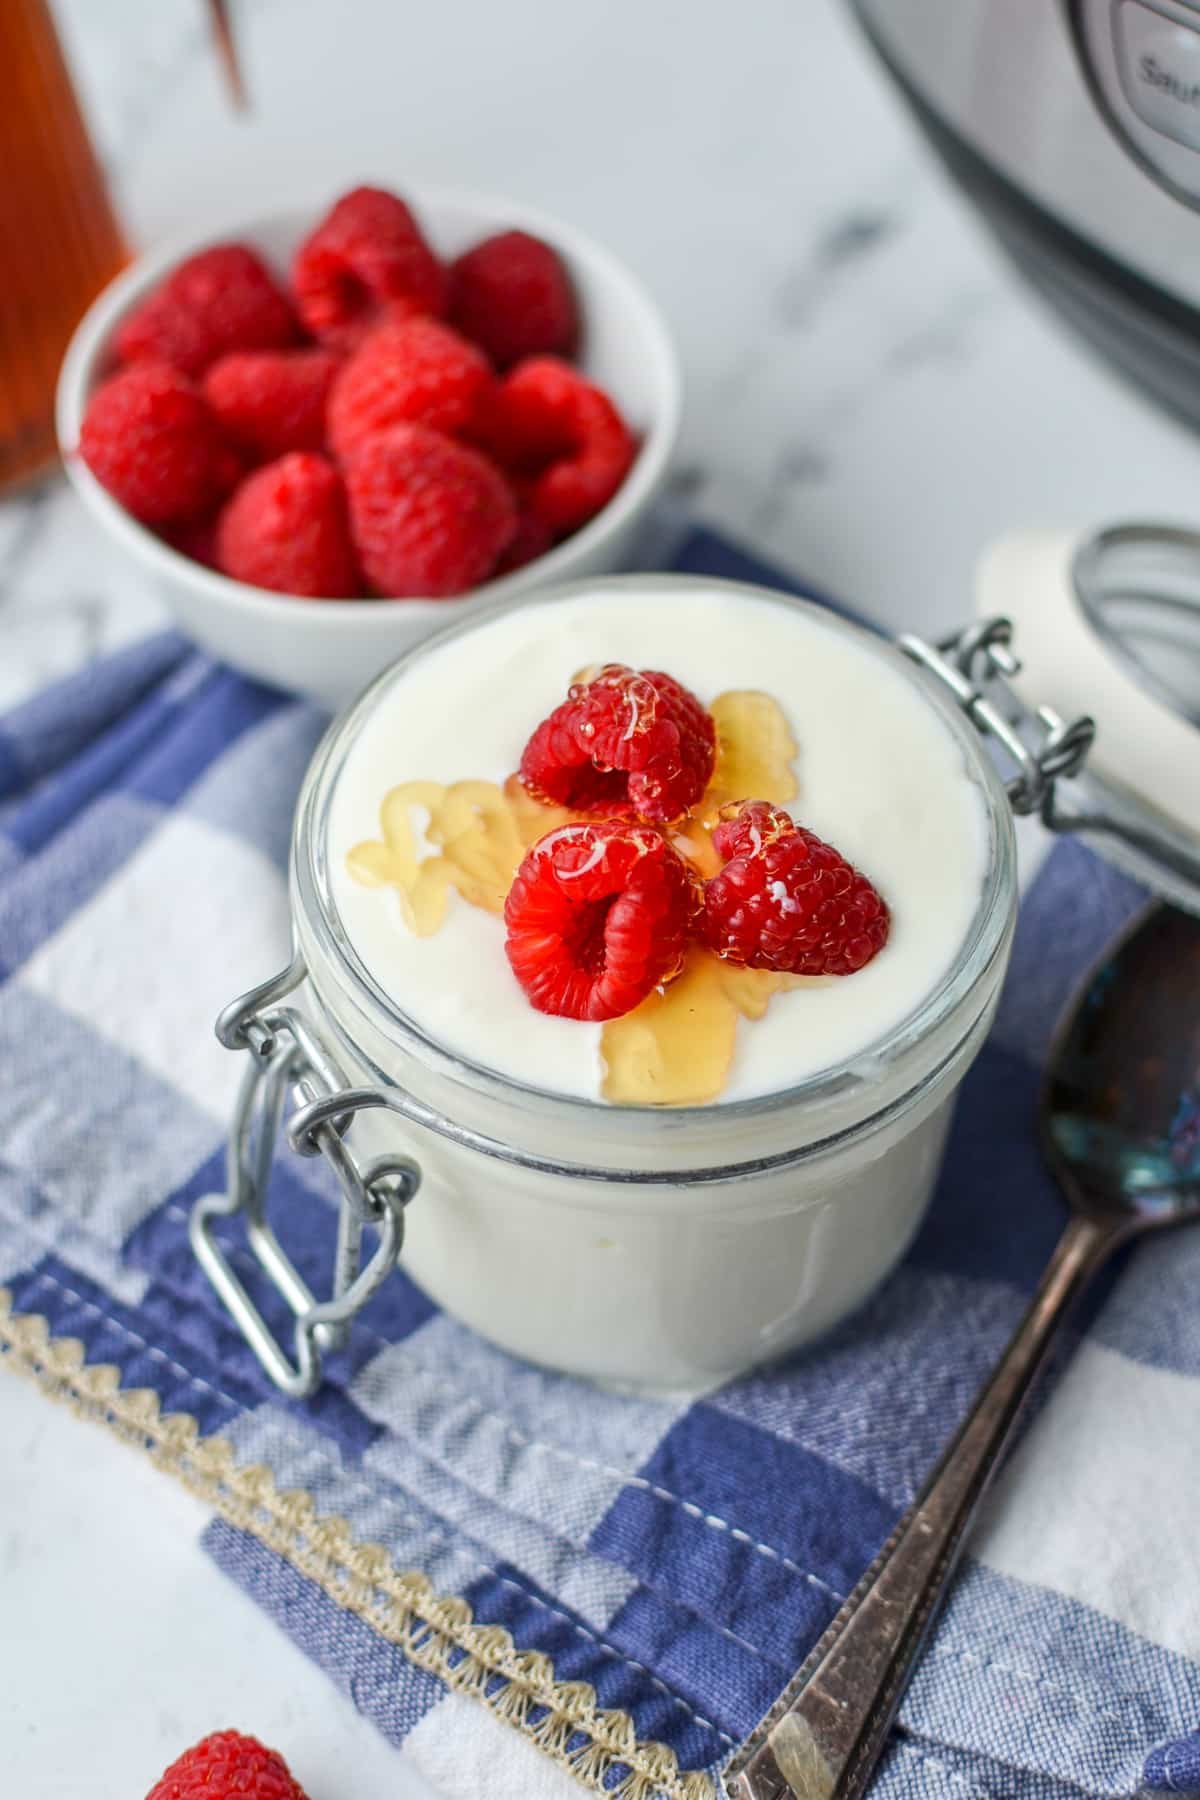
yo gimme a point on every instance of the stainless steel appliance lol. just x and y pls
(1074, 127)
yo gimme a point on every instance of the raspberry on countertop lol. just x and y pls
(623, 741)
(786, 900)
(597, 917)
(227, 1765)
(220, 300)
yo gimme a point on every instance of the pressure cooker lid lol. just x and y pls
(1108, 624)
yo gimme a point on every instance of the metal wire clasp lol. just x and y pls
(977, 664)
(287, 1057)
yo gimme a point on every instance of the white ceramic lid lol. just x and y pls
(1108, 623)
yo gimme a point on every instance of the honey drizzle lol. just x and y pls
(756, 753)
(676, 1048)
(481, 832)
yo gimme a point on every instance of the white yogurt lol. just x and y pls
(879, 776)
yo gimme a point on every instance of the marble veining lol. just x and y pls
(871, 393)
(871, 396)
(836, 252)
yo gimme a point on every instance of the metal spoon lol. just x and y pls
(1120, 1121)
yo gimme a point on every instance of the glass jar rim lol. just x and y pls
(317, 907)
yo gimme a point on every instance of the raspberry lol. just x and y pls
(512, 294)
(365, 255)
(221, 300)
(787, 901)
(272, 401)
(548, 422)
(227, 1766)
(286, 529)
(598, 916)
(623, 741)
(197, 539)
(408, 370)
(429, 516)
(148, 437)
(532, 540)
(749, 826)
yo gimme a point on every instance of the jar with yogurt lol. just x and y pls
(670, 1244)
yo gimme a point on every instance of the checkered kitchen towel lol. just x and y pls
(468, 1544)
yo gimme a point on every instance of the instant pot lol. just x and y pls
(1074, 127)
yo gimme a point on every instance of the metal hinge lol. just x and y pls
(288, 1060)
(977, 664)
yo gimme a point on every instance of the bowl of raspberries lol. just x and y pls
(321, 432)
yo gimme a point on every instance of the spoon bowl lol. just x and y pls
(1121, 1101)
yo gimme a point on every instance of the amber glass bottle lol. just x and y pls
(59, 239)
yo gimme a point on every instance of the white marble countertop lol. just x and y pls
(871, 397)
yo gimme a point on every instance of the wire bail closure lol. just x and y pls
(287, 1057)
(978, 664)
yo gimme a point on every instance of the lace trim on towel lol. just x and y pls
(436, 1632)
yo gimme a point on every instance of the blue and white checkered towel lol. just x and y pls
(628, 1582)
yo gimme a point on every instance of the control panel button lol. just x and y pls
(1160, 70)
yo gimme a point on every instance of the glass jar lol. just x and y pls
(663, 1247)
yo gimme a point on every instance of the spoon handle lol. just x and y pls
(822, 1738)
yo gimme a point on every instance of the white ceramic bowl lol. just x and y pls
(330, 649)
